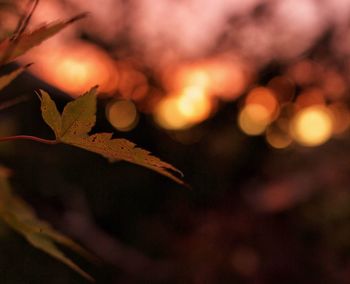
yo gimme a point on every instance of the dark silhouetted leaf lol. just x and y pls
(10, 49)
(20, 216)
(5, 80)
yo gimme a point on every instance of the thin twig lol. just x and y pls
(26, 20)
(10, 103)
(28, 137)
(78, 17)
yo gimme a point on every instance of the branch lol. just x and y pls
(28, 137)
(10, 103)
(21, 27)
(24, 21)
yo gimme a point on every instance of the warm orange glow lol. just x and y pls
(122, 115)
(282, 87)
(132, 84)
(168, 115)
(76, 68)
(277, 138)
(304, 72)
(176, 78)
(264, 98)
(76, 73)
(196, 87)
(310, 97)
(194, 104)
(228, 79)
(312, 126)
(196, 77)
(341, 115)
(334, 85)
(253, 119)
(286, 114)
(189, 107)
(221, 77)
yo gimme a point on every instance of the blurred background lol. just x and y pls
(250, 99)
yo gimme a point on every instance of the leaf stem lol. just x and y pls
(12, 102)
(28, 137)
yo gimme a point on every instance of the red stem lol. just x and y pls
(28, 137)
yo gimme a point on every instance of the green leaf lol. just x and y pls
(79, 117)
(16, 213)
(122, 149)
(5, 80)
(11, 49)
(50, 113)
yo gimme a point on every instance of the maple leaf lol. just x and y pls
(77, 120)
(17, 214)
(5, 80)
(10, 49)
(50, 113)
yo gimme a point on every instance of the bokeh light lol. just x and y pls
(266, 99)
(191, 106)
(209, 73)
(221, 77)
(132, 83)
(228, 78)
(312, 126)
(283, 87)
(277, 138)
(168, 115)
(260, 109)
(333, 84)
(122, 114)
(310, 97)
(341, 117)
(188, 74)
(194, 104)
(304, 72)
(253, 119)
(76, 67)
